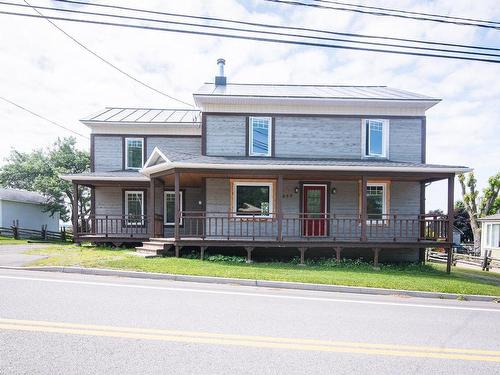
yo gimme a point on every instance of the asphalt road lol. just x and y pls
(54, 323)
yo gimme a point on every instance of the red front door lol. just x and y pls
(314, 210)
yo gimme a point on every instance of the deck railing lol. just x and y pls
(289, 227)
(113, 226)
(336, 227)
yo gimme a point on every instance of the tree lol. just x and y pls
(461, 220)
(478, 206)
(40, 171)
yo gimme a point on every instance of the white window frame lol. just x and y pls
(126, 152)
(269, 184)
(269, 136)
(171, 192)
(385, 192)
(141, 193)
(489, 236)
(365, 144)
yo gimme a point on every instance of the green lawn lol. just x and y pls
(431, 277)
(11, 241)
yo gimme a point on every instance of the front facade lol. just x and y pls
(25, 210)
(490, 236)
(269, 166)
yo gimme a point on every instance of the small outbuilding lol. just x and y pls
(26, 209)
(490, 235)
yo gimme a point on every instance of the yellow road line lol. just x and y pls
(249, 341)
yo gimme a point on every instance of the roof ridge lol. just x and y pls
(291, 84)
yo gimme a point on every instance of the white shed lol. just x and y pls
(25, 208)
(490, 235)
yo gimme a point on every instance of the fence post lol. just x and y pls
(15, 227)
(63, 234)
(44, 232)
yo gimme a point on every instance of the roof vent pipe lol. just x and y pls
(220, 78)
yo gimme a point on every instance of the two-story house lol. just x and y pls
(261, 166)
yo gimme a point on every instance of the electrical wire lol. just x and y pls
(42, 117)
(35, 8)
(380, 13)
(295, 42)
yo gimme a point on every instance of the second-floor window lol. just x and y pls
(260, 129)
(134, 153)
(376, 138)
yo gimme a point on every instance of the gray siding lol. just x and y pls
(191, 145)
(405, 198)
(29, 215)
(226, 135)
(314, 137)
(108, 153)
(108, 201)
(405, 140)
(327, 137)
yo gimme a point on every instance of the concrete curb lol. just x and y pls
(258, 283)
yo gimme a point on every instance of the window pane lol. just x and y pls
(260, 136)
(313, 199)
(170, 208)
(375, 137)
(495, 235)
(134, 204)
(134, 153)
(252, 200)
(375, 202)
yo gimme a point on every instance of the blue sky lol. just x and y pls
(45, 71)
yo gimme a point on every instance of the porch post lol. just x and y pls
(364, 216)
(449, 239)
(150, 211)
(279, 207)
(75, 212)
(177, 205)
(421, 223)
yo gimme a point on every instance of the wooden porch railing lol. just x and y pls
(334, 227)
(113, 226)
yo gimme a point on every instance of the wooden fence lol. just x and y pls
(43, 234)
(484, 262)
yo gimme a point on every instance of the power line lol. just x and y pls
(42, 117)
(274, 26)
(380, 13)
(35, 8)
(406, 11)
(253, 31)
(261, 39)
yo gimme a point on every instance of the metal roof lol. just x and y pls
(145, 116)
(24, 196)
(309, 91)
(184, 160)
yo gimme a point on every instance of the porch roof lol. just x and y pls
(125, 176)
(160, 161)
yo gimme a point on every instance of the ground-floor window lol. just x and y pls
(134, 207)
(376, 200)
(492, 235)
(252, 198)
(169, 207)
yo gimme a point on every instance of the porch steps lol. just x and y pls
(152, 248)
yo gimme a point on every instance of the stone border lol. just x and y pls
(259, 283)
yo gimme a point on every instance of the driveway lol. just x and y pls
(12, 255)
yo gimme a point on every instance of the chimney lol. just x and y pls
(220, 78)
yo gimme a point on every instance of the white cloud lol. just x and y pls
(45, 71)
